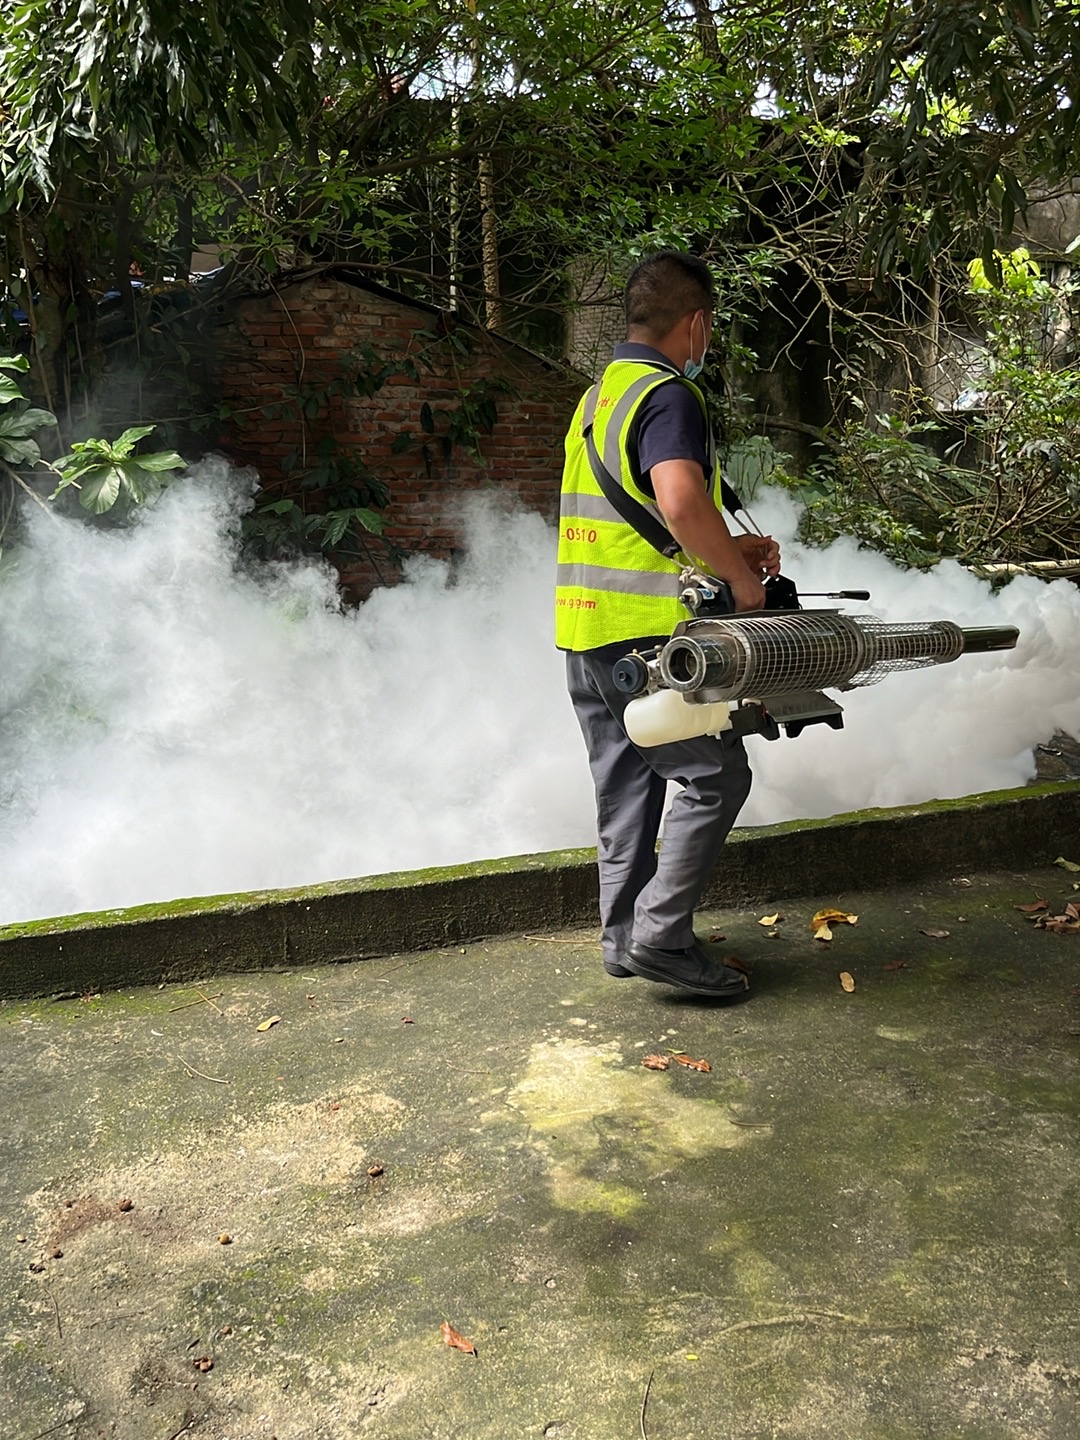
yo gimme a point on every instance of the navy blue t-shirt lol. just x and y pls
(669, 424)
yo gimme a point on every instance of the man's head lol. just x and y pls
(669, 301)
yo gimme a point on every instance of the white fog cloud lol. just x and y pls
(172, 724)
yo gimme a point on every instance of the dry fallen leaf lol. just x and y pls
(656, 1062)
(847, 981)
(822, 932)
(1062, 925)
(833, 917)
(1072, 911)
(935, 934)
(1067, 864)
(768, 920)
(274, 1020)
(681, 1058)
(451, 1337)
(716, 937)
(895, 965)
(1033, 908)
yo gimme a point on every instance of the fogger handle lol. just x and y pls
(706, 597)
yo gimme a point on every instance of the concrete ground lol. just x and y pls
(862, 1221)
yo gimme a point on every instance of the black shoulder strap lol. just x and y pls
(730, 500)
(631, 510)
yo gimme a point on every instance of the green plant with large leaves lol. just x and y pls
(20, 425)
(20, 422)
(104, 471)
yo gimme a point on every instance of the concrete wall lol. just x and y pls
(386, 914)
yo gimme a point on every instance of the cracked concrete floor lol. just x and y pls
(860, 1224)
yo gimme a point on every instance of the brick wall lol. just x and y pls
(276, 348)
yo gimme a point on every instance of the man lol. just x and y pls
(615, 593)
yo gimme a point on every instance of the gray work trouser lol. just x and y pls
(643, 896)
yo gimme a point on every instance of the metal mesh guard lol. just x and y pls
(765, 655)
(798, 652)
(913, 646)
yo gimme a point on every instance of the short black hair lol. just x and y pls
(664, 287)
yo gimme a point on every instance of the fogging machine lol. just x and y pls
(764, 671)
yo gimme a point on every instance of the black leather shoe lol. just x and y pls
(689, 969)
(617, 971)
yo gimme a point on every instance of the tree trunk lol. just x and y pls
(184, 242)
(707, 34)
(65, 356)
(494, 317)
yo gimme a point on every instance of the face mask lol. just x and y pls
(693, 368)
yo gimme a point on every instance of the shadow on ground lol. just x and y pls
(861, 1222)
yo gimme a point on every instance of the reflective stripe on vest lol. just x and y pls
(602, 577)
(612, 585)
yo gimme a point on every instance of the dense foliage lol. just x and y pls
(840, 164)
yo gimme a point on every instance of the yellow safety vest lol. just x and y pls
(612, 585)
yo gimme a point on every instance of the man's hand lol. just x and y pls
(761, 553)
(748, 592)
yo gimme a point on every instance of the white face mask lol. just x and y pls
(693, 368)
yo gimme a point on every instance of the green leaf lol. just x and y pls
(991, 259)
(133, 485)
(161, 460)
(14, 362)
(19, 452)
(25, 422)
(129, 439)
(371, 522)
(101, 491)
(335, 526)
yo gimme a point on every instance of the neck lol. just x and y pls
(638, 337)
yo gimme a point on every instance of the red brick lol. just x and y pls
(298, 338)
